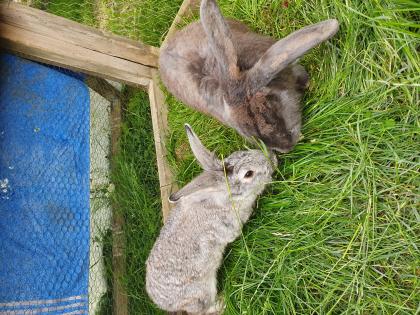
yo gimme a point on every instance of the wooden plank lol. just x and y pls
(159, 113)
(187, 9)
(61, 53)
(120, 298)
(64, 30)
(103, 88)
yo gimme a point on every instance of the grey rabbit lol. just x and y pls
(209, 213)
(247, 81)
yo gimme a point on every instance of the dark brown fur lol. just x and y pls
(245, 80)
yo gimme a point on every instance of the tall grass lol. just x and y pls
(147, 20)
(137, 196)
(338, 231)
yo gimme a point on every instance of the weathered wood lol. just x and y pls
(103, 88)
(34, 45)
(41, 48)
(120, 299)
(159, 113)
(64, 30)
(188, 7)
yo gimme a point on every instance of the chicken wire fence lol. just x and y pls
(100, 206)
(128, 18)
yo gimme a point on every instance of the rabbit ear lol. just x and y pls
(207, 159)
(219, 37)
(287, 50)
(205, 182)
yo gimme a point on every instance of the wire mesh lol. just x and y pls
(100, 188)
(129, 18)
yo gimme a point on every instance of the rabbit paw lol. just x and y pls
(218, 308)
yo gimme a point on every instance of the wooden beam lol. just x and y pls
(59, 28)
(54, 40)
(103, 88)
(159, 113)
(119, 294)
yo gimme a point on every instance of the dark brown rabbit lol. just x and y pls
(247, 81)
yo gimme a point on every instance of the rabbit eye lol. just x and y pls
(249, 174)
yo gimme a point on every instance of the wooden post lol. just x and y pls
(159, 114)
(120, 299)
(111, 94)
(103, 88)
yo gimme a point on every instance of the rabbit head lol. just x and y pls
(245, 172)
(247, 81)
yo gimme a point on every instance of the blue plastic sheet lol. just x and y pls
(44, 189)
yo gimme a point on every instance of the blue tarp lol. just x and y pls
(44, 189)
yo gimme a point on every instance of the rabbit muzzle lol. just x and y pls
(257, 118)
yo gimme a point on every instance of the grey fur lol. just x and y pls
(247, 81)
(209, 213)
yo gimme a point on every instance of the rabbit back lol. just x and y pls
(186, 60)
(182, 266)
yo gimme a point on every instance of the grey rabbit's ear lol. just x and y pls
(204, 182)
(219, 37)
(287, 50)
(207, 159)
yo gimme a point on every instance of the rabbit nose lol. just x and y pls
(283, 149)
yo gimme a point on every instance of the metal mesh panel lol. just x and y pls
(100, 187)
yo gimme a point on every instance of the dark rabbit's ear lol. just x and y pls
(207, 159)
(287, 50)
(219, 37)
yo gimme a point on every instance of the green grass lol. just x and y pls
(81, 11)
(147, 20)
(138, 197)
(338, 230)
